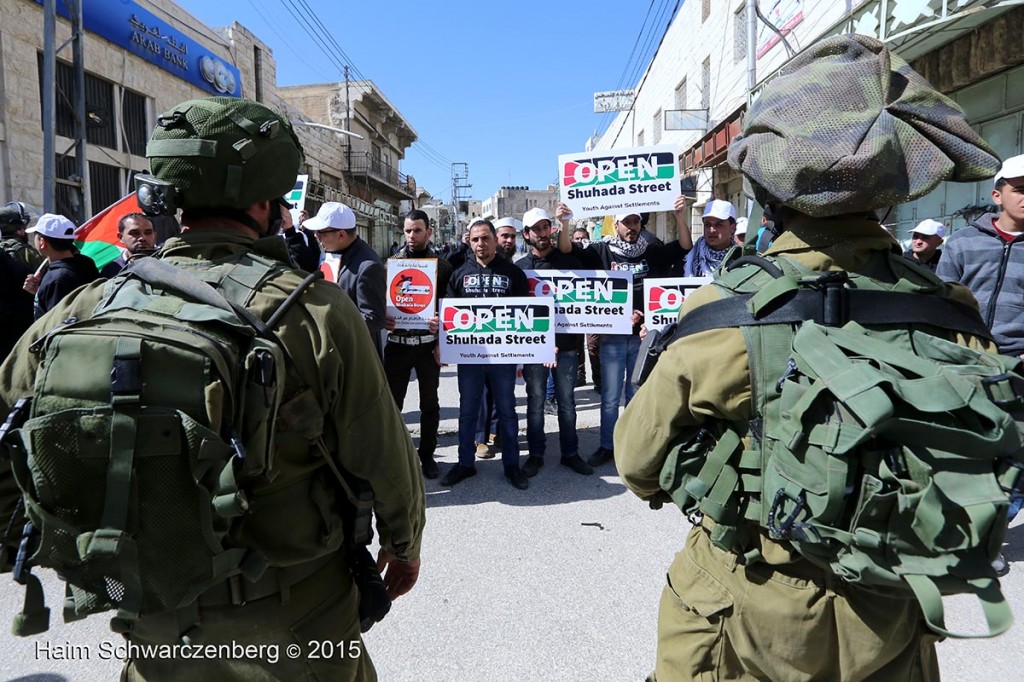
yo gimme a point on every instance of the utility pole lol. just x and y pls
(460, 175)
(348, 123)
(79, 181)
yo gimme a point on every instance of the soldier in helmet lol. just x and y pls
(14, 218)
(227, 162)
(848, 130)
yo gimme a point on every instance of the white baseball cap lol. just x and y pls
(534, 216)
(619, 217)
(509, 222)
(718, 208)
(1013, 167)
(53, 226)
(929, 228)
(332, 216)
(741, 226)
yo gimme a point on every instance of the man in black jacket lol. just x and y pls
(361, 273)
(54, 237)
(414, 349)
(485, 274)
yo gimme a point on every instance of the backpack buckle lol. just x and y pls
(1005, 390)
(784, 529)
(835, 301)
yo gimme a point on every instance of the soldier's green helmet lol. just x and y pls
(222, 152)
(850, 127)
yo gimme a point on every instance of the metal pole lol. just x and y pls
(751, 49)
(81, 160)
(348, 123)
(49, 96)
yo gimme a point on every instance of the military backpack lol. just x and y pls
(880, 451)
(146, 423)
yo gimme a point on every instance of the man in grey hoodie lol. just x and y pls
(988, 258)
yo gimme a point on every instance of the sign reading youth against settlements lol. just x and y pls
(412, 290)
(587, 301)
(665, 297)
(497, 331)
(640, 179)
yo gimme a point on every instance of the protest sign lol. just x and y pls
(637, 180)
(497, 331)
(665, 297)
(412, 291)
(587, 301)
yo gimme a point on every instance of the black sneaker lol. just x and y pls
(601, 456)
(532, 465)
(577, 464)
(517, 478)
(457, 474)
(550, 406)
(429, 467)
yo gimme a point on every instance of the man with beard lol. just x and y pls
(416, 349)
(618, 353)
(507, 229)
(719, 229)
(544, 256)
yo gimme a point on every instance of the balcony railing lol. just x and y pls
(366, 164)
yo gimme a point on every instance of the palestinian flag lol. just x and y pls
(97, 237)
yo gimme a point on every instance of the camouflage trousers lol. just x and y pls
(309, 632)
(722, 621)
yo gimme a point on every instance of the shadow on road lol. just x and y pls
(1013, 550)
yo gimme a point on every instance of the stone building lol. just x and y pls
(515, 201)
(694, 91)
(371, 169)
(142, 57)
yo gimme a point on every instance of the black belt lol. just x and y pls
(417, 340)
(236, 590)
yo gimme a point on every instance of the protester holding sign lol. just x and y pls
(643, 257)
(416, 349)
(485, 274)
(544, 256)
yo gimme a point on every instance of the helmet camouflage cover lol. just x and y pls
(850, 127)
(224, 152)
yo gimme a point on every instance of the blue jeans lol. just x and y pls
(618, 356)
(536, 387)
(487, 419)
(502, 380)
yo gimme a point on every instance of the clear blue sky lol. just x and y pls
(502, 86)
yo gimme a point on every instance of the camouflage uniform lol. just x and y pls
(332, 383)
(783, 619)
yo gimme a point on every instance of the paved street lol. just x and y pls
(558, 582)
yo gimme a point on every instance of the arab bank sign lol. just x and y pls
(148, 36)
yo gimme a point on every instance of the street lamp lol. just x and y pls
(340, 131)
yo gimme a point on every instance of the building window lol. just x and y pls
(705, 11)
(656, 128)
(739, 41)
(133, 118)
(681, 95)
(104, 185)
(100, 129)
(640, 139)
(705, 84)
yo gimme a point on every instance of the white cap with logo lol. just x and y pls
(534, 216)
(929, 228)
(1013, 167)
(718, 208)
(53, 226)
(332, 216)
